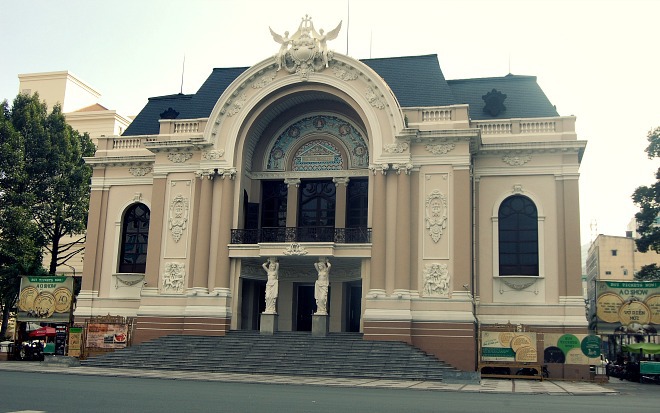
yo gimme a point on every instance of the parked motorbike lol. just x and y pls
(31, 351)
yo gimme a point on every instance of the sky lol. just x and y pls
(594, 59)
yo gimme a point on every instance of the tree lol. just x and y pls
(648, 200)
(20, 249)
(59, 179)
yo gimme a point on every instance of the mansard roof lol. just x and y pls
(525, 98)
(416, 81)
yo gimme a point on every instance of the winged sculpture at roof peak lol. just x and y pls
(305, 51)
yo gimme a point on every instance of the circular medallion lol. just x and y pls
(62, 299)
(634, 312)
(505, 338)
(607, 307)
(520, 341)
(26, 298)
(653, 303)
(526, 354)
(44, 304)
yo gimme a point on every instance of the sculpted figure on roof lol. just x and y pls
(306, 51)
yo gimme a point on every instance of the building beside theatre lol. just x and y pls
(442, 206)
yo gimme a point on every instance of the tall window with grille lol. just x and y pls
(134, 239)
(518, 237)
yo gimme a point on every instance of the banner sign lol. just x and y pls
(571, 349)
(107, 336)
(45, 299)
(627, 307)
(508, 346)
(75, 341)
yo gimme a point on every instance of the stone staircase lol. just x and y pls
(285, 353)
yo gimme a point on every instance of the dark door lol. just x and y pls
(253, 303)
(306, 307)
(316, 211)
(354, 307)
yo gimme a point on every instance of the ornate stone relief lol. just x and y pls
(179, 157)
(398, 147)
(374, 99)
(237, 104)
(382, 168)
(402, 167)
(174, 277)
(137, 197)
(440, 149)
(128, 282)
(436, 280)
(264, 80)
(436, 214)
(140, 170)
(178, 216)
(358, 153)
(205, 173)
(213, 155)
(295, 249)
(516, 160)
(519, 284)
(344, 74)
(518, 189)
(306, 51)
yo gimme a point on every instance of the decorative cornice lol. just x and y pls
(140, 170)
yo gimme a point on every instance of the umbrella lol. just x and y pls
(43, 332)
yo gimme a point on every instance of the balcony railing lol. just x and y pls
(302, 234)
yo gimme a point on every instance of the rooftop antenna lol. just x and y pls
(183, 69)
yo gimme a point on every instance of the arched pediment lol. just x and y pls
(253, 95)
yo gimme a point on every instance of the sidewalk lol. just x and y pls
(486, 386)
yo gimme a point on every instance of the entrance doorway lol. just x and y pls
(253, 303)
(354, 307)
(305, 307)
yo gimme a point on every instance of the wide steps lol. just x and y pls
(287, 353)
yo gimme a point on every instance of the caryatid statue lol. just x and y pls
(321, 286)
(271, 267)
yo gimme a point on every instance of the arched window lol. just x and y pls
(518, 236)
(134, 239)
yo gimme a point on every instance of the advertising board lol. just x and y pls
(508, 346)
(627, 307)
(45, 299)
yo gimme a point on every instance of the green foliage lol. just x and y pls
(44, 190)
(648, 200)
(648, 273)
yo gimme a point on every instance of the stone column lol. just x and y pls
(224, 230)
(403, 225)
(340, 201)
(292, 202)
(156, 232)
(377, 284)
(203, 236)
(98, 201)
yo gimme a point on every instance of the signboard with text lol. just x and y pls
(571, 349)
(508, 346)
(627, 307)
(107, 336)
(45, 299)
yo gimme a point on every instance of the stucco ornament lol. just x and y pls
(178, 216)
(306, 51)
(514, 160)
(397, 147)
(436, 280)
(173, 277)
(440, 149)
(436, 214)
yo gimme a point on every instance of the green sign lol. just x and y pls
(568, 342)
(498, 352)
(591, 346)
(649, 367)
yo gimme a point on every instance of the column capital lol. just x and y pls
(406, 168)
(227, 173)
(292, 181)
(205, 173)
(341, 181)
(382, 168)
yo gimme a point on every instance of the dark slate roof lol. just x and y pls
(416, 81)
(525, 99)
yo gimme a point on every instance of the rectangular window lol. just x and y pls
(614, 253)
(608, 272)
